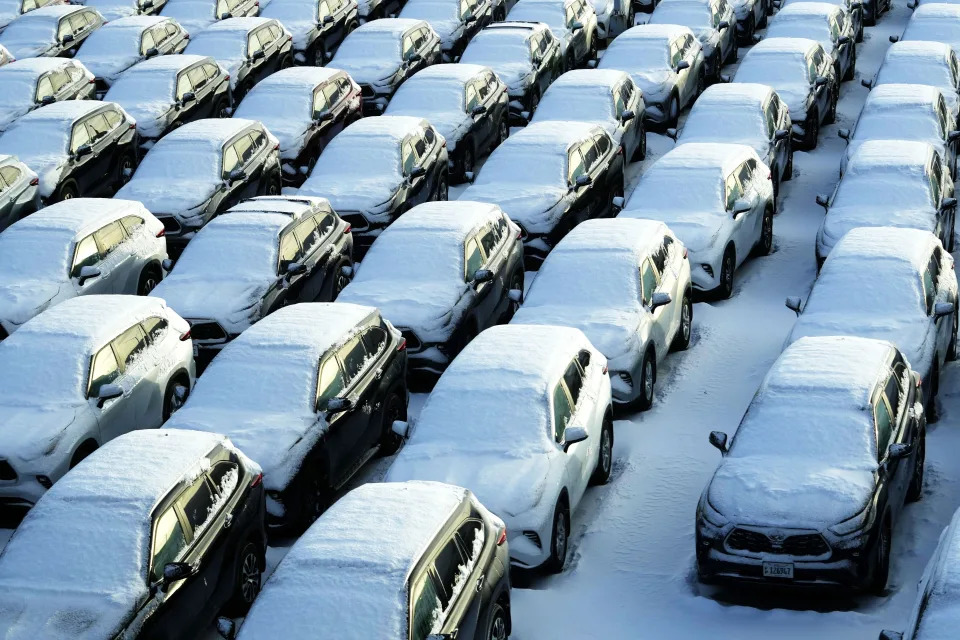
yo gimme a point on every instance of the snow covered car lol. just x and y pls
(750, 15)
(317, 26)
(524, 55)
(197, 15)
(166, 92)
(590, 282)
(117, 46)
(853, 8)
(251, 260)
(376, 169)
(718, 200)
(381, 54)
(523, 418)
(52, 31)
(573, 23)
(784, 509)
(409, 552)
(804, 77)
(711, 21)
(19, 195)
(829, 24)
(935, 612)
(743, 113)
(921, 62)
(149, 538)
(455, 21)
(249, 49)
(467, 103)
(606, 98)
(77, 148)
(442, 273)
(82, 373)
(34, 82)
(304, 107)
(913, 112)
(666, 62)
(550, 177)
(916, 308)
(937, 22)
(201, 169)
(113, 10)
(309, 431)
(10, 10)
(890, 183)
(81, 247)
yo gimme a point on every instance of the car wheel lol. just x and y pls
(725, 290)
(315, 495)
(870, 17)
(852, 69)
(125, 168)
(68, 191)
(249, 561)
(788, 170)
(748, 32)
(516, 282)
(319, 54)
(813, 131)
(767, 9)
(394, 408)
(176, 395)
(915, 491)
(640, 152)
(498, 623)
(601, 474)
(931, 408)
(569, 64)
(499, 14)
(466, 161)
(82, 452)
(732, 56)
(560, 537)
(219, 109)
(766, 234)
(673, 110)
(285, 62)
(273, 187)
(443, 190)
(534, 102)
(682, 340)
(592, 53)
(149, 278)
(952, 347)
(503, 131)
(336, 281)
(881, 560)
(648, 379)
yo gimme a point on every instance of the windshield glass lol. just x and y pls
(411, 256)
(490, 48)
(636, 55)
(171, 161)
(587, 105)
(524, 165)
(775, 70)
(103, 43)
(133, 87)
(740, 123)
(33, 31)
(697, 191)
(218, 45)
(35, 139)
(687, 14)
(900, 123)
(231, 251)
(362, 48)
(884, 189)
(934, 73)
(35, 254)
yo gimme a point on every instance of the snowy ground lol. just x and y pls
(631, 571)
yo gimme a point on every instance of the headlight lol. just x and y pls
(857, 523)
(711, 515)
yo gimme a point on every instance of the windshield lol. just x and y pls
(363, 48)
(420, 98)
(590, 105)
(35, 254)
(218, 45)
(19, 90)
(35, 139)
(37, 374)
(552, 15)
(841, 292)
(133, 87)
(218, 248)
(276, 108)
(33, 31)
(688, 14)
(103, 43)
(563, 281)
(884, 189)
(812, 27)
(691, 190)
(353, 156)
(775, 70)
(637, 55)
(290, 11)
(740, 123)
(900, 123)
(409, 256)
(172, 161)
(934, 73)
(431, 11)
(520, 164)
(492, 48)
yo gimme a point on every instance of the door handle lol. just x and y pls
(480, 583)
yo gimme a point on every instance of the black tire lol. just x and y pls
(732, 56)
(931, 408)
(499, 14)
(249, 569)
(601, 474)
(443, 190)
(812, 131)
(765, 246)
(592, 52)
(178, 390)
(67, 191)
(569, 63)
(285, 62)
(915, 490)
(315, 497)
(319, 54)
(870, 17)
(394, 408)
(559, 538)
(467, 161)
(685, 331)
(499, 626)
(748, 32)
(640, 153)
(516, 282)
(533, 102)
(727, 268)
(336, 282)
(673, 110)
(503, 131)
(273, 187)
(82, 452)
(852, 69)
(648, 381)
(880, 568)
(788, 171)
(125, 168)
(149, 278)
(767, 10)
(219, 109)
(952, 347)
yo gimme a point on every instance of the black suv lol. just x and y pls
(151, 536)
(311, 432)
(424, 557)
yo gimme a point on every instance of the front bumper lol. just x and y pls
(655, 112)
(721, 567)
(374, 102)
(427, 357)
(529, 548)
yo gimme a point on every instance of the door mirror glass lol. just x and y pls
(573, 435)
(781, 134)
(719, 440)
(942, 309)
(324, 117)
(339, 405)
(683, 64)
(660, 299)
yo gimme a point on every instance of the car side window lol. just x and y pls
(332, 93)
(895, 390)
(660, 255)
(308, 235)
(573, 378)
(169, 542)
(534, 44)
(129, 345)
(353, 357)
(409, 160)
(323, 10)
(936, 181)
(930, 276)
(171, 29)
(230, 160)
(602, 142)
(447, 565)
(211, 70)
(147, 42)
(470, 537)
(320, 103)
(10, 175)
(576, 166)
(562, 410)
(266, 37)
(198, 77)
(770, 117)
(131, 223)
(374, 340)
(746, 174)
(733, 191)
(97, 127)
(489, 240)
(649, 280)
(425, 607)
(420, 146)
(113, 118)
(253, 44)
(103, 370)
(44, 88)
(884, 422)
(199, 505)
(408, 46)
(154, 327)
(429, 136)
(85, 255)
(80, 136)
(472, 259)
(289, 251)
(813, 69)
(471, 99)
(183, 85)
(223, 475)
(245, 149)
(325, 223)
(330, 381)
(63, 28)
(109, 238)
(590, 155)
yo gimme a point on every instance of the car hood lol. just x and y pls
(301, 30)
(909, 334)
(229, 301)
(150, 116)
(290, 132)
(23, 299)
(423, 307)
(29, 613)
(352, 193)
(782, 491)
(653, 82)
(525, 204)
(514, 75)
(611, 331)
(109, 67)
(369, 71)
(31, 431)
(795, 95)
(159, 196)
(21, 49)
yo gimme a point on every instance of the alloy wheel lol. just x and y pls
(648, 380)
(498, 631)
(178, 398)
(250, 577)
(606, 452)
(560, 539)
(686, 314)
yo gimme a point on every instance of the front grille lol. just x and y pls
(101, 86)
(3, 332)
(170, 224)
(6, 471)
(533, 537)
(356, 220)
(413, 342)
(205, 331)
(366, 91)
(805, 544)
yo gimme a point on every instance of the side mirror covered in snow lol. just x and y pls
(227, 628)
(942, 309)
(742, 205)
(867, 83)
(719, 440)
(660, 299)
(573, 435)
(339, 405)
(483, 275)
(793, 303)
(894, 39)
(108, 392)
(401, 428)
(948, 203)
(885, 634)
(781, 134)
(899, 450)
(683, 64)
(627, 116)
(844, 133)
(88, 272)
(174, 571)
(823, 200)
(167, 264)
(821, 80)
(672, 133)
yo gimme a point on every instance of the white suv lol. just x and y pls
(80, 374)
(74, 248)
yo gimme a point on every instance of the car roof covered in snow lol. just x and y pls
(394, 128)
(944, 10)
(212, 131)
(349, 571)
(456, 217)
(136, 22)
(735, 94)
(32, 67)
(78, 216)
(453, 72)
(396, 26)
(53, 11)
(780, 46)
(918, 49)
(77, 565)
(297, 78)
(863, 249)
(173, 63)
(939, 608)
(898, 155)
(654, 32)
(805, 9)
(288, 205)
(69, 110)
(615, 236)
(237, 25)
(705, 155)
(555, 136)
(893, 95)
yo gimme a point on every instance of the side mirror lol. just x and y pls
(237, 174)
(189, 96)
(417, 172)
(619, 202)
(844, 133)
(899, 450)
(108, 392)
(327, 19)
(660, 299)
(226, 15)
(794, 304)
(469, 19)
(339, 405)
(167, 264)
(227, 628)
(174, 571)
(151, 52)
(67, 39)
(573, 435)
(726, 78)
(894, 38)
(953, 136)
(781, 134)
(820, 81)
(948, 203)
(627, 116)
(576, 26)
(742, 205)
(672, 133)
(414, 57)
(886, 634)
(88, 273)
(910, 5)
(482, 275)
(323, 117)
(756, 38)
(258, 55)
(346, 271)
(583, 181)
(584, 359)
(842, 40)
(478, 110)
(146, 4)
(683, 64)
(719, 440)
(296, 269)
(723, 25)
(867, 83)
(823, 201)
(942, 309)
(48, 100)
(401, 428)
(83, 150)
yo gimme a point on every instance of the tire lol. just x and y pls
(732, 56)
(176, 394)
(592, 52)
(788, 171)
(285, 62)
(82, 452)
(337, 281)
(852, 69)
(559, 538)
(727, 268)
(931, 408)
(273, 187)
(467, 161)
(534, 102)
(394, 408)
(673, 111)
(248, 580)
(503, 131)
(762, 23)
(880, 568)
(952, 347)
(443, 189)
(67, 191)
(125, 168)
(765, 245)
(832, 114)
(813, 131)
(219, 109)
(601, 474)
(569, 64)
(315, 495)
(500, 14)
(648, 380)
(870, 18)
(915, 490)
(319, 54)
(149, 278)
(499, 626)
(640, 153)
(516, 282)
(748, 32)
(685, 331)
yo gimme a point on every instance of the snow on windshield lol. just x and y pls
(774, 69)
(490, 48)
(524, 165)
(937, 29)
(884, 189)
(227, 484)
(812, 27)
(687, 14)
(133, 87)
(19, 90)
(902, 122)
(220, 45)
(740, 123)
(410, 256)
(550, 14)
(578, 104)
(911, 71)
(363, 47)
(277, 108)
(358, 156)
(636, 55)
(422, 97)
(849, 289)
(35, 139)
(104, 43)
(35, 254)
(570, 279)
(235, 252)
(172, 161)
(697, 191)
(43, 370)
(33, 30)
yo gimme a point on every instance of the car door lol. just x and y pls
(117, 259)
(333, 101)
(593, 158)
(104, 145)
(824, 92)
(650, 283)
(203, 90)
(313, 256)
(427, 47)
(891, 428)
(258, 53)
(742, 229)
(484, 301)
(420, 186)
(13, 182)
(663, 262)
(943, 326)
(138, 381)
(81, 164)
(571, 408)
(114, 413)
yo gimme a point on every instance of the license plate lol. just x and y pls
(778, 570)
(196, 351)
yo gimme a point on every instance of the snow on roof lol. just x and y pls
(66, 110)
(460, 72)
(349, 571)
(297, 77)
(166, 63)
(615, 235)
(606, 78)
(289, 205)
(238, 25)
(735, 94)
(34, 66)
(807, 9)
(654, 31)
(918, 49)
(213, 131)
(939, 612)
(783, 45)
(864, 247)
(392, 127)
(92, 320)
(893, 95)
(56, 10)
(936, 10)
(390, 25)
(455, 217)
(138, 22)
(80, 216)
(557, 135)
(705, 155)
(54, 583)
(901, 155)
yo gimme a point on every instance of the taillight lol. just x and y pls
(132, 126)
(162, 232)
(35, 182)
(257, 480)
(769, 175)
(605, 369)
(619, 151)
(502, 537)
(684, 253)
(403, 345)
(185, 336)
(226, 77)
(919, 381)
(346, 229)
(276, 147)
(92, 81)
